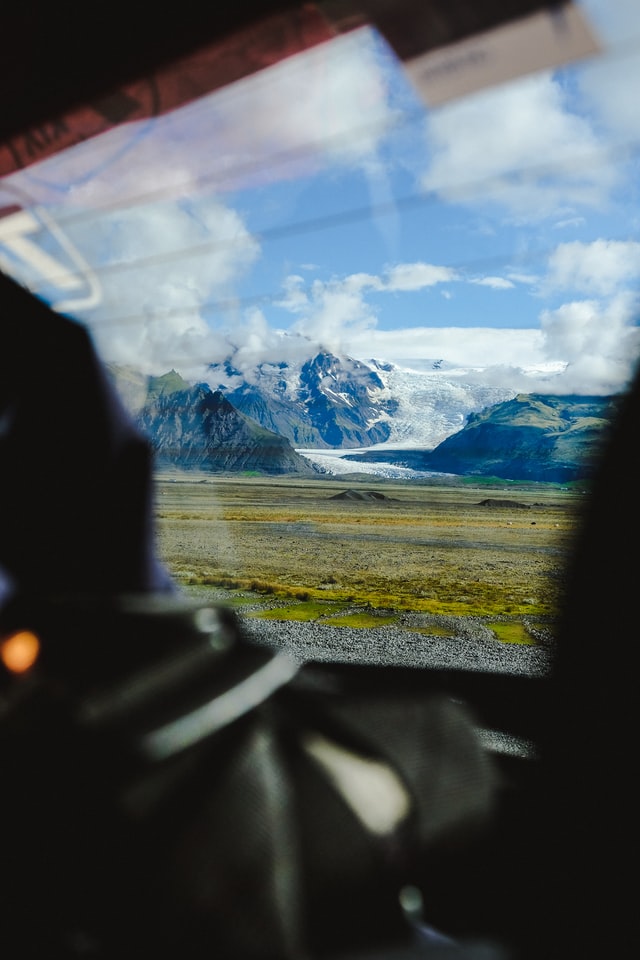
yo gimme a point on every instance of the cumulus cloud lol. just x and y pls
(596, 333)
(159, 266)
(600, 267)
(518, 145)
(252, 341)
(584, 346)
(145, 192)
(416, 276)
(332, 310)
(295, 297)
(599, 342)
(338, 315)
(340, 108)
(341, 303)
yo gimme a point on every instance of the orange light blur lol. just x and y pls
(19, 651)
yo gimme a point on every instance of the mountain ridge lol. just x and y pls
(538, 437)
(425, 421)
(199, 429)
(332, 402)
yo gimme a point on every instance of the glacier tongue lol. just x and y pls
(432, 406)
(331, 462)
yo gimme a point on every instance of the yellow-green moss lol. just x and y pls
(512, 632)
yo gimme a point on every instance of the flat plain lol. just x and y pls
(429, 548)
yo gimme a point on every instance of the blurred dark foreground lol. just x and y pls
(168, 787)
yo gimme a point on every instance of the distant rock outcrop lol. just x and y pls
(504, 504)
(368, 495)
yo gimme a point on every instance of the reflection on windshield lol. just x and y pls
(495, 232)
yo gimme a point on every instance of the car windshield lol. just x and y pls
(306, 278)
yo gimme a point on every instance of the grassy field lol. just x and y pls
(432, 549)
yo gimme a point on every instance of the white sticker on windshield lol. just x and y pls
(542, 41)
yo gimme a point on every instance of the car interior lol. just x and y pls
(168, 787)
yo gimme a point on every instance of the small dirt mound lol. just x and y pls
(504, 504)
(359, 495)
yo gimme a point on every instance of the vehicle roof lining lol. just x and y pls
(59, 56)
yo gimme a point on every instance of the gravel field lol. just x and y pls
(473, 646)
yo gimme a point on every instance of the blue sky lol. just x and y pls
(322, 202)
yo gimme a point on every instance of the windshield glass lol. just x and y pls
(357, 274)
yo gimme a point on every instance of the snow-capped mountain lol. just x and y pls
(345, 415)
(324, 401)
(338, 402)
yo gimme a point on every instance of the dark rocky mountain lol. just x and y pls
(197, 428)
(326, 401)
(532, 437)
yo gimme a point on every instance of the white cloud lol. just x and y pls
(357, 282)
(328, 311)
(251, 341)
(608, 82)
(599, 342)
(518, 145)
(462, 346)
(596, 334)
(340, 108)
(497, 283)
(160, 265)
(331, 311)
(569, 222)
(586, 346)
(600, 267)
(295, 298)
(416, 276)
(529, 279)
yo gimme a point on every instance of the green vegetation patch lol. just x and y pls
(479, 480)
(322, 612)
(512, 632)
(362, 620)
(303, 611)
